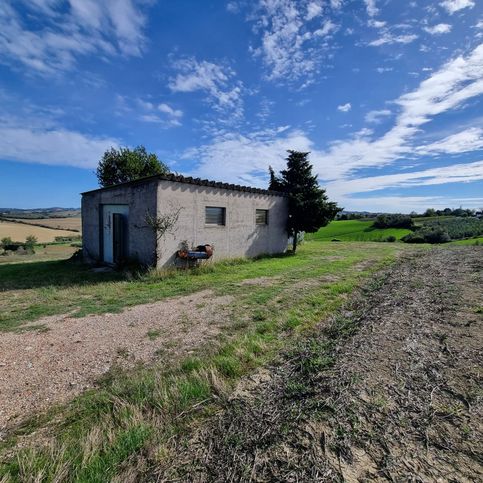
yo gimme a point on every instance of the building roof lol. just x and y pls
(177, 178)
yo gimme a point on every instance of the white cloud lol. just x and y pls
(176, 113)
(468, 140)
(452, 6)
(371, 8)
(446, 89)
(327, 28)
(457, 173)
(406, 204)
(54, 147)
(378, 24)
(244, 158)
(68, 30)
(314, 9)
(345, 107)
(441, 28)
(293, 41)
(375, 117)
(336, 4)
(381, 70)
(388, 38)
(223, 91)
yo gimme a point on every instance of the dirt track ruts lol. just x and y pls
(402, 400)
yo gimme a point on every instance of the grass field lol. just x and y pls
(355, 230)
(104, 433)
(70, 223)
(469, 241)
(56, 251)
(19, 231)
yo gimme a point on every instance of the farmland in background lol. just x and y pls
(69, 223)
(19, 231)
(355, 230)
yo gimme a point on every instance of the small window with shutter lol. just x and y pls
(215, 215)
(261, 217)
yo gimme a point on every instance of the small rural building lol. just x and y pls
(236, 221)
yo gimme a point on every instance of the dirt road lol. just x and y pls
(41, 368)
(389, 390)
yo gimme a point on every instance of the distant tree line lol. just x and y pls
(461, 212)
(445, 230)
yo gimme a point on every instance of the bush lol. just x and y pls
(393, 221)
(30, 243)
(6, 241)
(427, 236)
(413, 238)
(390, 238)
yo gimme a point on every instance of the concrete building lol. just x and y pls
(236, 220)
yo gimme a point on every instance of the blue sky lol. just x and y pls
(385, 94)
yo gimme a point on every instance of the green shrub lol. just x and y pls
(390, 238)
(30, 243)
(393, 221)
(6, 241)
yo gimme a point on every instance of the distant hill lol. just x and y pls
(40, 213)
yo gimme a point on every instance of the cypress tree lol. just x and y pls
(308, 205)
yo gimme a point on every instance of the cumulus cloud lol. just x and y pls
(67, 31)
(244, 157)
(371, 8)
(218, 82)
(345, 107)
(452, 6)
(446, 89)
(293, 39)
(314, 9)
(441, 28)
(375, 117)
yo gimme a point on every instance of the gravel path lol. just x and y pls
(389, 390)
(41, 368)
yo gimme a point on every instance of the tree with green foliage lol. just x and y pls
(308, 205)
(123, 164)
(30, 243)
(6, 241)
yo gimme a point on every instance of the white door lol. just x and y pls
(108, 229)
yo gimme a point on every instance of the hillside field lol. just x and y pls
(19, 231)
(355, 230)
(69, 223)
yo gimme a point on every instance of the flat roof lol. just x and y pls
(177, 178)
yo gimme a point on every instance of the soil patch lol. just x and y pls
(390, 390)
(41, 368)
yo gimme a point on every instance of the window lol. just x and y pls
(215, 215)
(261, 217)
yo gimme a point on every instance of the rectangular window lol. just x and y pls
(261, 217)
(215, 215)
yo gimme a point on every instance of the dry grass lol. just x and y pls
(69, 223)
(20, 231)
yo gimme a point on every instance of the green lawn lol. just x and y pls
(469, 241)
(29, 291)
(132, 415)
(355, 230)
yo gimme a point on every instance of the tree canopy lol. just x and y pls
(308, 205)
(123, 164)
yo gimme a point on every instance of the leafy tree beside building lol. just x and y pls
(123, 164)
